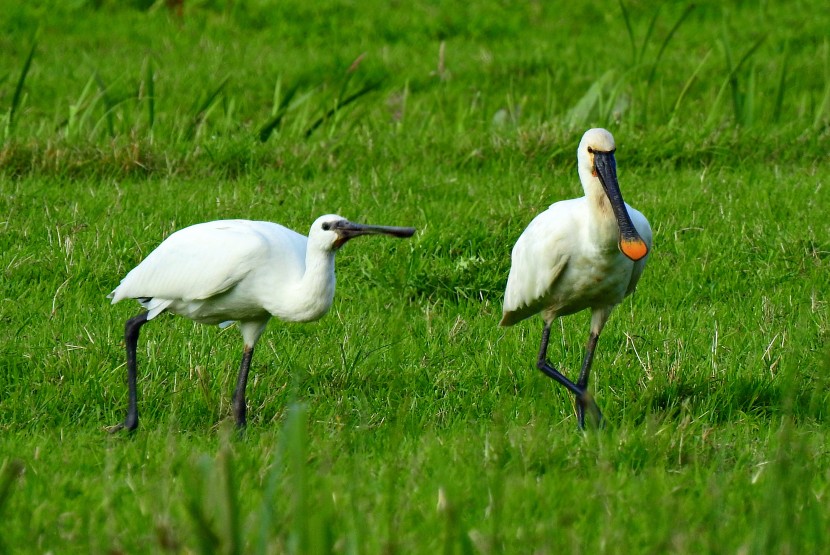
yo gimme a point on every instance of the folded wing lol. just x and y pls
(198, 262)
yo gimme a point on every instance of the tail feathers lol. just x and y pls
(510, 317)
(154, 305)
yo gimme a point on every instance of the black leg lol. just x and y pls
(131, 331)
(543, 365)
(579, 389)
(586, 401)
(239, 406)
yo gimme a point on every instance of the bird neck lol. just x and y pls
(314, 293)
(309, 297)
(597, 198)
(604, 229)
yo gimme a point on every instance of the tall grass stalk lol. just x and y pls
(269, 506)
(663, 45)
(196, 503)
(230, 493)
(212, 500)
(341, 100)
(678, 103)
(280, 107)
(10, 471)
(147, 93)
(299, 539)
(79, 111)
(630, 31)
(781, 89)
(740, 99)
(109, 105)
(819, 117)
(638, 55)
(17, 97)
(202, 109)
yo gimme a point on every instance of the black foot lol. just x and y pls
(130, 424)
(585, 404)
(121, 426)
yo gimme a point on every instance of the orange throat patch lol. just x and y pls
(635, 249)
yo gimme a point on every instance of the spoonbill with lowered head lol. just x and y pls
(587, 252)
(237, 270)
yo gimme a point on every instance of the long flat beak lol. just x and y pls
(631, 244)
(348, 230)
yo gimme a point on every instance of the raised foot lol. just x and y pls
(585, 404)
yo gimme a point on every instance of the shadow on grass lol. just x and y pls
(720, 400)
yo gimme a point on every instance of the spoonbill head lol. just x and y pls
(598, 172)
(237, 270)
(583, 253)
(330, 232)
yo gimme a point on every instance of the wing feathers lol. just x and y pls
(536, 265)
(195, 263)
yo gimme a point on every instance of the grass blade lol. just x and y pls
(233, 536)
(201, 112)
(689, 9)
(748, 114)
(750, 52)
(339, 100)
(77, 111)
(108, 103)
(822, 107)
(269, 500)
(581, 113)
(782, 85)
(731, 80)
(195, 501)
(630, 32)
(649, 32)
(18, 90)
(9, 473)
(732, 77)
(281, 108)
(687, 85)
(366, 89)
(349, 73)
(147, 90)
(296, 447)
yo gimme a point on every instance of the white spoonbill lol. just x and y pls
(237, 270)
(581, 253)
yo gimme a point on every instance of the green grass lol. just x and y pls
(406, 421)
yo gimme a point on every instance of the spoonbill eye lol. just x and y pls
(326, 226)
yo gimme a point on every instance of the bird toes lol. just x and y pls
(585, 404)
(129, 425)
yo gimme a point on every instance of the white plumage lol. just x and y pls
(233, 270)
(238, 270)
(587, 252)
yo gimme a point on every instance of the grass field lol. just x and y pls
(406, 420)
